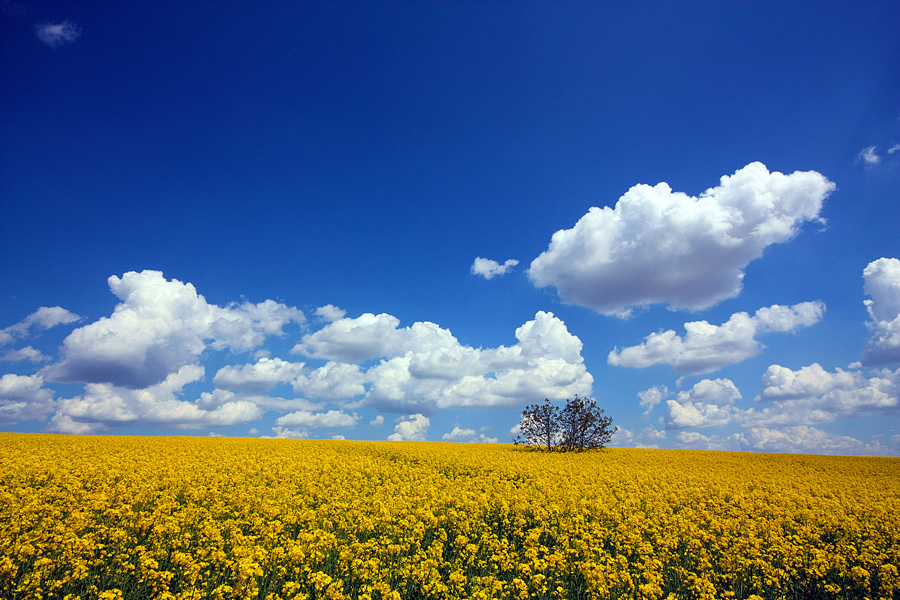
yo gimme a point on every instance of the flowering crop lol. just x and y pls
(128, 517)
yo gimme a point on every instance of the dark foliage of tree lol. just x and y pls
(581, 425)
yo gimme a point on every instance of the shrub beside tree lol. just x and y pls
(580, 425)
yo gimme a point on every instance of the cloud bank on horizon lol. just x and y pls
(137, 364)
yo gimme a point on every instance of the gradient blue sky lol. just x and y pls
(266, 218)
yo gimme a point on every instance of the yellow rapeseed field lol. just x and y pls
(130, 517)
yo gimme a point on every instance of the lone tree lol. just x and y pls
(581, 425)
(584, 427)
(540, 425)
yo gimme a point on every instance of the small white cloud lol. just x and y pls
(412, 428)
(706, 348)
(26, 353)
(650, 398)
(869, 156)
(649, 437)
(330, 312)
(659, 246)
(894, 148)
(710, 403)
(459, 434)
(57, 34)
(333, 381)
(353, 340)
(321, 420)
(378, 421)
(649, 433)
(697, 441)
(289, 434)
(257, 378)
(43, 318)
(491, 268)
(217, 398)
(65, 424)
(882, 283)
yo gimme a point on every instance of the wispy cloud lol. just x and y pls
(13, 9)
(57, 34)
(26, 353)
(43, 318)
(869, 156)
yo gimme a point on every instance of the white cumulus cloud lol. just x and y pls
(23, 398)
(710, 403)
(706, 348)
(423, 367)
(489, 269)
(460, 434)
(412, 428)
(136, 362)
(809, 440)
(159, 327)
(333, 381)
(330, 312)
(698, 441)
(353, 340)
(259, 378)
(103, 406)
(432, 370)
(882, 284)
(217, 398)
(796, 439)
(813, 395)
(660, 246)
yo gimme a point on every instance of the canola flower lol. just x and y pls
(196, 518)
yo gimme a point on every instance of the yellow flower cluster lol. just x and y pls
(196, 518)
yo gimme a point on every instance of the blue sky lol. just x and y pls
(410, 220)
